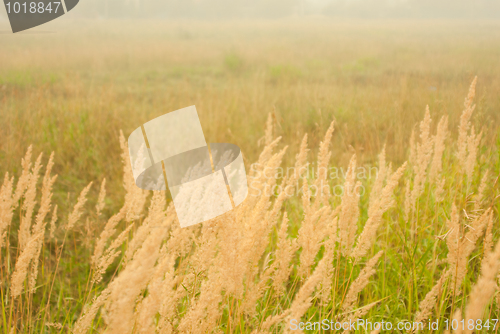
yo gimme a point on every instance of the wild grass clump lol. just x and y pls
(419, 245)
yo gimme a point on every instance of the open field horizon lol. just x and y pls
(373, 77)
(71, 88)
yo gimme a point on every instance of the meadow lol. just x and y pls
(418, 243)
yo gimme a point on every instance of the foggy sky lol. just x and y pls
(227, 9)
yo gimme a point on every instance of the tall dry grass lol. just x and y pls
(294, 250)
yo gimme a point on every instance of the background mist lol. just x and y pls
(225, 9)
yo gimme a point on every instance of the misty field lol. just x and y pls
(372, 154)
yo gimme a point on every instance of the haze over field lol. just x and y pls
(374, 77)
(217, 9)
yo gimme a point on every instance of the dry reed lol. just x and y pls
(278, 256)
